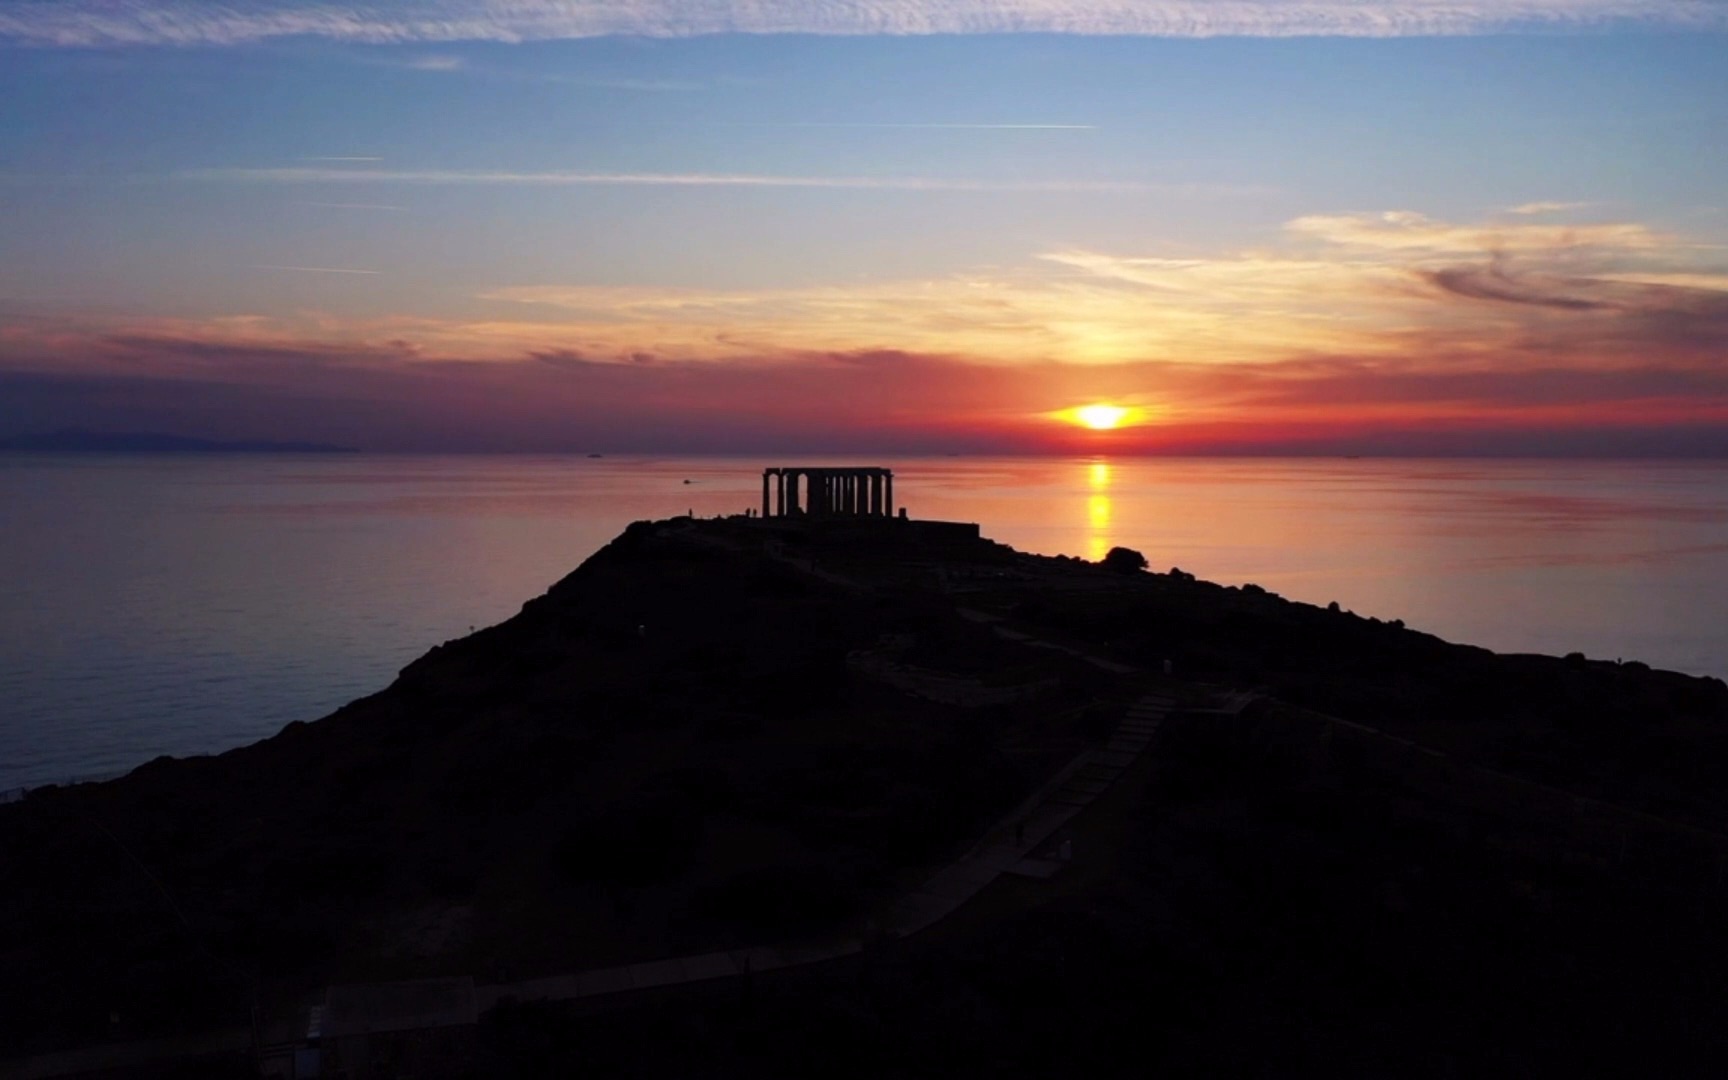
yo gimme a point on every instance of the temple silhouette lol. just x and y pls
(825, 492)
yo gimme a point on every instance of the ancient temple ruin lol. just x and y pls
(798, 492)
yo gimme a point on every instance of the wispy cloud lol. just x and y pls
(1408, 231)
(187, 22)
(1371, 285)
(341, 158)
(1545, 207)
(443, 62)
(435, 63)
(907, 126)
(1368, 332)
(356, 206)
(385, 393)
(314, 269)
(558, 178)
(645, 86)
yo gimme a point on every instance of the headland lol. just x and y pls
(1337, 839)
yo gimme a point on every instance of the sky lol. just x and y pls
(902, 226)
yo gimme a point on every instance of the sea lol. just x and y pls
(187, 604)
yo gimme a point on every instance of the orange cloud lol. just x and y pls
(1386, 329)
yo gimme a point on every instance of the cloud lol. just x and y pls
(389, 395)
(1545, 207)
(356, 206)
(1599, 303)
(1358, 332)
(555, 178)
(190, 22)
(445, 62)
(435, 63)
(315, 269)
(646, 86)
(1493, 282)
(1699, 295)
(1414, 233)
(1014, 318)
(905, 126)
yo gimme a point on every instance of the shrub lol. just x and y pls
(1123, 560)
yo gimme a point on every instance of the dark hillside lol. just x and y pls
(1352, 848)
(666, 752)
(1620, 731)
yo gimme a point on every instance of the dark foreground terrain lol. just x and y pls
(1389, 855)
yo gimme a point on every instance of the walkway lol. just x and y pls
(1008, 848)
(1025, 830)
(995, 623)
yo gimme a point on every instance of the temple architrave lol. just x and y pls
(801, 492)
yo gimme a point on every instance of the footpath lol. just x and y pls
(1008, 848)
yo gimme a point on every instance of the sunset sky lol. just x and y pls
(1334, 226)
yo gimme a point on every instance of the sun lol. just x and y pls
(1101, 417)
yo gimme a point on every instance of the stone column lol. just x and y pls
(764, 492)
(888, 498)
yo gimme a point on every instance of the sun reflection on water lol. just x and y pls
(1098, 509)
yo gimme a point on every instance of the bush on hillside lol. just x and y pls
(1123, 560)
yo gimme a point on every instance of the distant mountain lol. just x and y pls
(150, 442)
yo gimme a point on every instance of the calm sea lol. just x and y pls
(180, 605)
